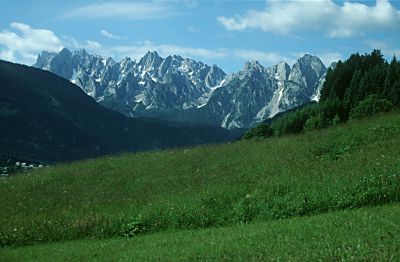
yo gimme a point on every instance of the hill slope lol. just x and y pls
(46, 118)
(344, 167)
(366, 234)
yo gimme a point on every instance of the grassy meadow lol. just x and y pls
(365, 234)
(270, 193)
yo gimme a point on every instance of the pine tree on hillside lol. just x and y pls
(358, 87)
(392, 82)
(352, 95)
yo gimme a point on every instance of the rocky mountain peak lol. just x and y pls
(280, 71)
(311, 61)
(307, 72)
(168, 87)
(253, 66)
(307, 57)
(43, 59)
(154, 82)
(150, 60)
(110, 61)
(65, 53)
(81, 52)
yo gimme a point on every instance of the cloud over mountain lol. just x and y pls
(334, 20)
(107, 34)
(24, 43)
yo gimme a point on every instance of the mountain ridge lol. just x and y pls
(177, 88)
(47, 118)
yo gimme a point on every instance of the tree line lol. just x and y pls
(360, 86)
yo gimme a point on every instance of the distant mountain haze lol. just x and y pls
(181, 89)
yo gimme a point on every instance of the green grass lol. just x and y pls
(348, 166)
(369, 234)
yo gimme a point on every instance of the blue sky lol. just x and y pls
(226, 33)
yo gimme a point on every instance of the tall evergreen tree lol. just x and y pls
(352, 94)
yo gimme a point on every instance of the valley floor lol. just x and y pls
(369, 233)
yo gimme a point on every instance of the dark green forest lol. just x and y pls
(46, 119)
(361, 86)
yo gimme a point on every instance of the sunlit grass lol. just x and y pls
(344, 167)
(366, 234)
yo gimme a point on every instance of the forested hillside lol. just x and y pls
(360, 86)
(45, 118)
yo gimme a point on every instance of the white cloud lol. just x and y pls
(24, 43)
(132, 11)
(138, 50)
(107, 34)
(262, 57)
(91, 45)
(329, 58)
(339, 21)
(271, 58)
(88, 45)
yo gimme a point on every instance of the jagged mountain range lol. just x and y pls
(46, 118)
(181, 89)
